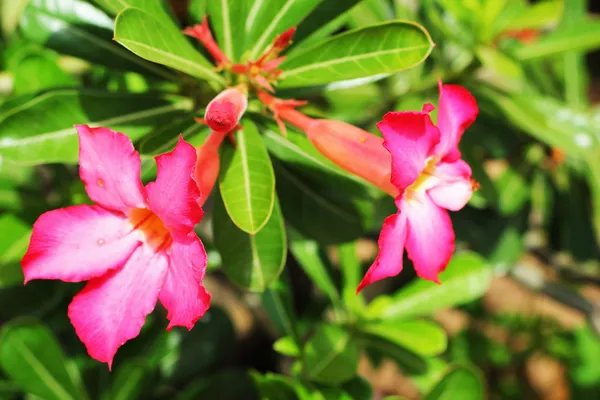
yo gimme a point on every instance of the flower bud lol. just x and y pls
(282, 41)
(208, 164)
(357, 151)
(225, 111)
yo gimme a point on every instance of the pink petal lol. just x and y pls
(430, 238)
(409, 137)
(183, 295)
(455, 188)
(456, 111)
(77, 243)
(110, 168)
(174, 195)
(452, 196)
(391, 249)
(112, 309)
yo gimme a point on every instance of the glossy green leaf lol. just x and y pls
(10, 13)
(378, 349)
(277, 302)
(331, 355)
(41, 130)
(162, 43)
(13, 245)
(156, 8)
(276, 387)
(419, 336)
(225, 18)
(251, 261)
(79, 29)
(378, 49)
(31, 356)
(585, 36)
(466, 278)
(269, 18)
(460, 383)
(307, 253)
(247, 180)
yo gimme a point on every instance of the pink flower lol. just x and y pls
(431, 178)
(135, 246)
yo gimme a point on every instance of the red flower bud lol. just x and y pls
(225, 111)
(202, 33)
(208, 164)
(282, 41)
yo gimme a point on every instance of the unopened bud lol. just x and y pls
(208, 164)
(357, 151)
(224, 112)
(282, 41)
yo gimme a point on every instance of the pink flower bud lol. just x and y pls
(225, 111)
(282, 41)
(357, 151)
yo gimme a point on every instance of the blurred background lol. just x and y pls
(518, 315)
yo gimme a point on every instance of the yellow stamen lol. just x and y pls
(155, 232)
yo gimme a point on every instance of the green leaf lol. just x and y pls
(33, 359)
(306, 252)
(287, 346)
(320, 16)
(535, 16)
(585, 36)
(276, 387)
(10, 13)
(359, 388)
(250, 261)
(79, 29)
(162, 43)
(225, 18)
(419, 336)
(36, 72)
(269, 18)
(331, 355)
(319, 211)
(224, 385)
(13, 245)
(247, 180)
(351, 269)
(466, 278)
(155, 8)
(41, 130)
(378, 49)
(277, 302)
(378, 348)
(460, 383)
(129, 380)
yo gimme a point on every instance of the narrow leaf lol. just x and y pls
(225, 18)
(247, 180)
(161, 43)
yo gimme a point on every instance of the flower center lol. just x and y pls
(425, 181)
(155, 232)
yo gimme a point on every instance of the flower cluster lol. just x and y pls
(137, 245)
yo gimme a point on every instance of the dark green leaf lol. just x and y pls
(466, 278)
(41, 130)
(374, 50)
(276, 387)
(129, 380)
(307, 254)
(251, 261)
(160, 42)
(247, 181)
(460, 383)
(359, 388)
(79, 29)
(225, 385)
(351, 269)
(331, 355)
(31, 356)
(321, 15)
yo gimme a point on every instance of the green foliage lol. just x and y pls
(292, 325)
